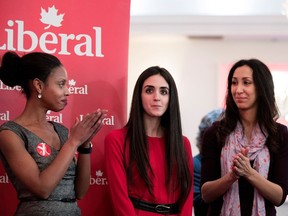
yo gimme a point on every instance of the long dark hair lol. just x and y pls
(176, 158)
(267, 111)
(19, 71)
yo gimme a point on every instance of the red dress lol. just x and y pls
(117, 176)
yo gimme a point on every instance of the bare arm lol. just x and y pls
(213, 184)
(211, 190)
(83, 164)
(83, 171)
(43, 183)
(266, 188)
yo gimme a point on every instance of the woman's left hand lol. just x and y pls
(241, 163)
(98, 125)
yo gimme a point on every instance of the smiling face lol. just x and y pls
(55, 90)
(155, 96)
(243, 88)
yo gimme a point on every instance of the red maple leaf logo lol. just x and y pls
(50, 17)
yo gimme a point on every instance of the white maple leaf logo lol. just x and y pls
(99, 173)
(50, 17)
(72, 82)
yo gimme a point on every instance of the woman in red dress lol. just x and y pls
(149, 161)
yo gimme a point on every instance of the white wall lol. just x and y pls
(194, 65)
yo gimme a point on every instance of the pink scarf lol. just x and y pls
(259, 153)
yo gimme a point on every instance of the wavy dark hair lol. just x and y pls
(19, 71)
(267, 111)
(176, 157)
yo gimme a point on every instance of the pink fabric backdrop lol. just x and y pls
(91, 40)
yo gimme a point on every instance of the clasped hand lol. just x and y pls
(84, 130)
(241, 163)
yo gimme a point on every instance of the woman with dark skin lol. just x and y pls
(149, 161)
(39, 155)
(245, 155)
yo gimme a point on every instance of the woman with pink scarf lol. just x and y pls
(245, 155)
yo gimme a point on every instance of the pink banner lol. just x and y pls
(91, 40)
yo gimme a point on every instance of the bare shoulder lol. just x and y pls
(10, 140)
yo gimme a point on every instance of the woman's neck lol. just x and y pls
(248, 121)
(32, 115)
(153, 127)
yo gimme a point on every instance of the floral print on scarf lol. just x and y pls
(259, 153)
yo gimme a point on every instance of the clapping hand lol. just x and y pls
(98, 123)
(241, 163)
(83, 131)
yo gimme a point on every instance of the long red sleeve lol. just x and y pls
(117, 176)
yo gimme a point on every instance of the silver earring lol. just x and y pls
(39, 95)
